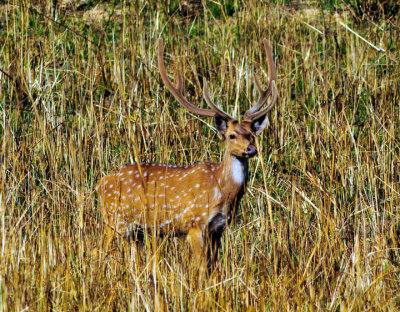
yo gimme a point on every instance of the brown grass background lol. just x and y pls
(80, 96)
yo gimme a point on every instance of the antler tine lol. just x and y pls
(258, 85)
(266, 109)
(177, 92)
(264, 94)
(210, 103)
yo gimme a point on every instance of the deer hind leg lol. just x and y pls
(102, 247)
(109, 235)
(215, 230)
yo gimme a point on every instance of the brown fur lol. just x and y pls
(184, 199)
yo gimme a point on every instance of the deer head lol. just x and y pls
(238, 136)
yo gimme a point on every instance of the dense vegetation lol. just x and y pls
(80, 96)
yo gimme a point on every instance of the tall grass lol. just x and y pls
(80, 96)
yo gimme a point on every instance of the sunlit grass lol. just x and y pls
(80, 96)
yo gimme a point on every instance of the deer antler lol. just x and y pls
(255, 112)
(177, 91)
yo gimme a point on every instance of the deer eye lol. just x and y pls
(232, 136)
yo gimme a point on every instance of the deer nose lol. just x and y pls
(251, 151)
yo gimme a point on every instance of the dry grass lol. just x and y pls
(319, 226)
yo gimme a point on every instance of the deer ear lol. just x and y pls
(259, 124)
(221, 124)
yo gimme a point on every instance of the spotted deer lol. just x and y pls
(196, 200)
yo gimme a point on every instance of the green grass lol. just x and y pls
(81, 96)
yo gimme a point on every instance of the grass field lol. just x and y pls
(81, 96)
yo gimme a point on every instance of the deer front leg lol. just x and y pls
(196, 241)
(215, 230)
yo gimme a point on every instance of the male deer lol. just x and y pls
(196, 200)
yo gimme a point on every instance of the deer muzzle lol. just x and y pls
(251, 151)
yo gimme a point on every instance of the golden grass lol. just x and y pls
(319, 226)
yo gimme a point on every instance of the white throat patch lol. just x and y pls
(237, 171)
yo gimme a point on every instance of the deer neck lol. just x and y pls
(232, 174)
